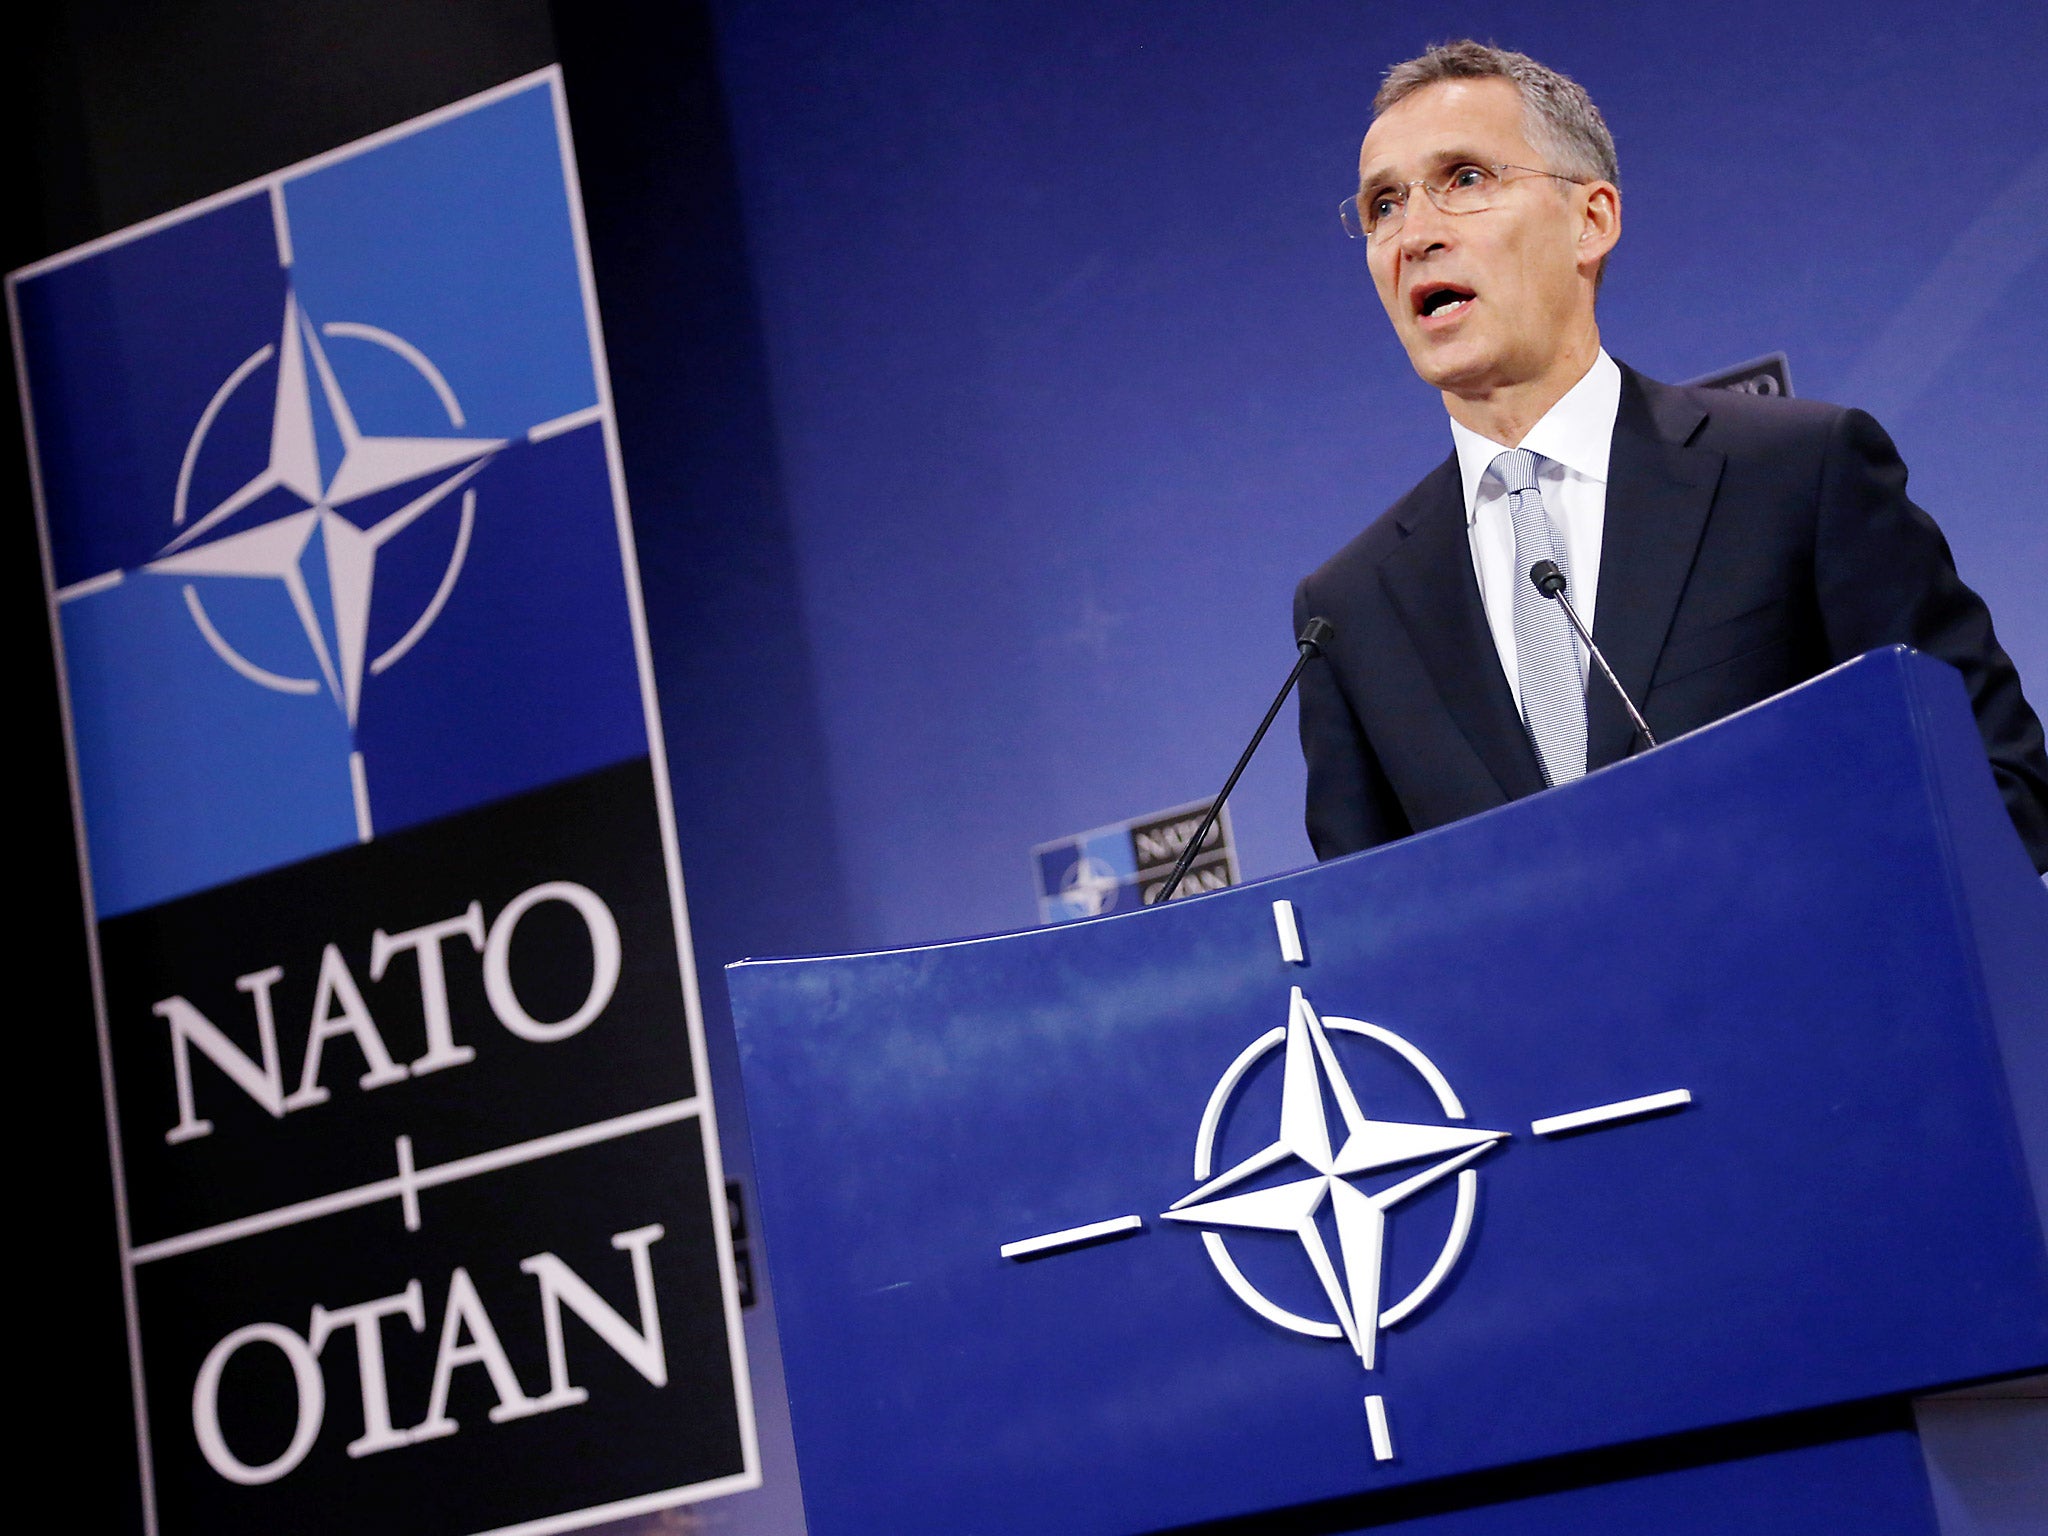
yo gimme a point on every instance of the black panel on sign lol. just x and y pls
(630, 1437)
(552, 875)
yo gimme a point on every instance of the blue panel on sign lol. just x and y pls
(192, 774)
(1087, 876)
(1762, 916)
(528, 676)
(320, 584)
(123, 351)
(1113, 850)
(458, 240)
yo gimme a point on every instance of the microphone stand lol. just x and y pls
(1549, 580)
(1310, 644)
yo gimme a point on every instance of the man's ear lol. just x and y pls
(1599, 223)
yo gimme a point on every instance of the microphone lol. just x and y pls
(1549, 580)
(1310, 643)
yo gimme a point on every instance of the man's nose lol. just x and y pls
(1424, 226)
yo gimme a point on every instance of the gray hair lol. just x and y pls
(1559, 118)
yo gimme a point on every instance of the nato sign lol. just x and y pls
(419, 1187)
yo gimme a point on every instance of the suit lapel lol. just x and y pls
(1658, 494)
(1429, 580)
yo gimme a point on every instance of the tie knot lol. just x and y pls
(1517, 469)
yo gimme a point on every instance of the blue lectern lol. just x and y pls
(1623, 1159)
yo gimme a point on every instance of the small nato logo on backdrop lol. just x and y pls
(326, 481)
(1122, 867)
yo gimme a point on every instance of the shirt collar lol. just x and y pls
(1577, 432)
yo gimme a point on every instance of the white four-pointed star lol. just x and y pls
(1368, 1146)
(369, 464)
(1088, 886)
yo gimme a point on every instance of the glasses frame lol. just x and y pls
(1351, 216)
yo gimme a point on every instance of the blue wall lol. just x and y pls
(1071, 374)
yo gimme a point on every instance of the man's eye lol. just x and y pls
(1467, 177)
(1384, 205)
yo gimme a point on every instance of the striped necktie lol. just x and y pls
(1546, 659)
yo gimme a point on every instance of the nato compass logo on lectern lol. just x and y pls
(319, 533)
(1331, 1175)
(1343, 1177)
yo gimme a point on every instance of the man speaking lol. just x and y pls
(1720, 546)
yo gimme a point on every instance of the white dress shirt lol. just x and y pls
(1572, 442)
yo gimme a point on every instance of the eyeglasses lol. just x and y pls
(1462, 189)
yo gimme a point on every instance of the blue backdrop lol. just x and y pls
(1071, 373)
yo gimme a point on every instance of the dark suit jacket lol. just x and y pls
(1750, 544)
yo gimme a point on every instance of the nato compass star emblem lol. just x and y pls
(1089, 886)
(1343, 1177)
(1332, 1174)
(319, 533)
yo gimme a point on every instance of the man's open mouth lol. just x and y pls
(1442, 299)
